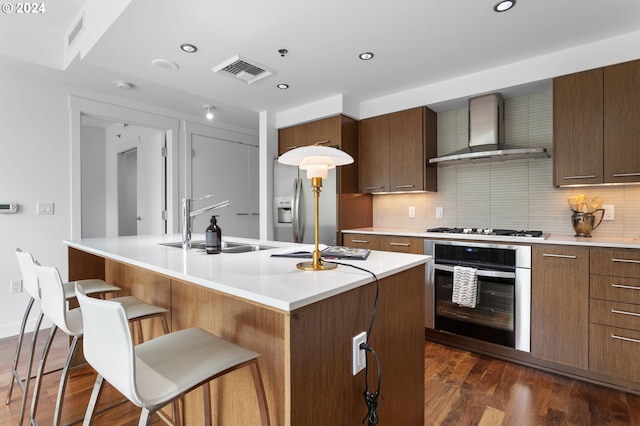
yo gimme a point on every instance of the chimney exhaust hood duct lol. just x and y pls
(486, 133)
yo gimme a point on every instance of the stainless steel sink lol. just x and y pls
(227, 246)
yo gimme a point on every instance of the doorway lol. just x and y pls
(124, 174)
(128, 192)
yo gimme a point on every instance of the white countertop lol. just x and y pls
(254, 276)
(594, 241)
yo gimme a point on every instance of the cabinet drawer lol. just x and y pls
(361, 241)
(614, 351)
(401, 244)
(615, 314)
(620, 263)
(617, 289)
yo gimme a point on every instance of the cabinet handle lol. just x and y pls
(579, 177)
(374, 187)
(628, 339)
(563, 256)
(400, 244)
(321, 142)
(630, 287)
(405, 186)
(625, 260)
(360, 241)
(616, 311)
(626, 174)
(242, 214)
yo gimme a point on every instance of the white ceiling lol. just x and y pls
(416, 43)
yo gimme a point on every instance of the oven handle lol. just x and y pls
(481, 272)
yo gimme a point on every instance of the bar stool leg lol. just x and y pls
(93, 401)
(27, 379)
(38, 385)
(14, 370)
(260, 394)
(63, 381)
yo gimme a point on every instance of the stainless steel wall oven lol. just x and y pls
(502, 314)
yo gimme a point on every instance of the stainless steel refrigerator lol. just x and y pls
(294, 209)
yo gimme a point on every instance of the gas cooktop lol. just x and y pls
(489, 232)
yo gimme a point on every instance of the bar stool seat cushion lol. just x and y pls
(138, 309)
(160, 363)
(91, 286)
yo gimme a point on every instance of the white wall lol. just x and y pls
(34, 166)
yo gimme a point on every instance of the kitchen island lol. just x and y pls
(301, 322)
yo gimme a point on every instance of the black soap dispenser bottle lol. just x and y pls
(213, 237)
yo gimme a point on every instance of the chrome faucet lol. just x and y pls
(188, 214)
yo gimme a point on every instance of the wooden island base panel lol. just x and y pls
(306, 352)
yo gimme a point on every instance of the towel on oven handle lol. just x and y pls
(465, 286)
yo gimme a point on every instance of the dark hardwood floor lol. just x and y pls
(461, 388)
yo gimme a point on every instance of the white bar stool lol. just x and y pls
(53, 302)
(30, 285)
(159, 371)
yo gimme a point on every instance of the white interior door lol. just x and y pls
(127, 192)
(151, 185)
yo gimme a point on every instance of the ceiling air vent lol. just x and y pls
(244, 69)
(77, 28)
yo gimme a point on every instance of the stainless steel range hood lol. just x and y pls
(486, 133)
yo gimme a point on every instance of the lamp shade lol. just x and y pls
(316, 160)
(314, 155)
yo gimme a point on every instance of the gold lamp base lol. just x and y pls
(311, 266)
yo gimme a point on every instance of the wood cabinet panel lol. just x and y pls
(619, 263)
(406, 148)
(618, 289)
(614, 351)
(394, 149)
(596, 130)
(384, 242)
(401, 244)
(622, 122)
(577, 128)
(372, 242)
(290, 138)
(373, 154)
(615, 314)
(560, 305)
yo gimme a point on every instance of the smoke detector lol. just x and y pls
(244, 69)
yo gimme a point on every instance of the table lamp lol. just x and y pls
(316, 160)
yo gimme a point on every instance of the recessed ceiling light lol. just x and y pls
(283, 86)
(504, 5)
(123, 85)
(165, 64)
(188, 47)
(366, 56)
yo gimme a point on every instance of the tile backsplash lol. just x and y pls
(513, 194)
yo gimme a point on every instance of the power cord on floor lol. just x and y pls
(372, 399)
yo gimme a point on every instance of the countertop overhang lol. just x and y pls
(594, 241)
(254, 276)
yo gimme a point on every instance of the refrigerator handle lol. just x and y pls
(295, 211)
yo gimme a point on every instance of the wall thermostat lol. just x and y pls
(8, 207)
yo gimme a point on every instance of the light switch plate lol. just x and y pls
(45, 208)
(439, 212)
